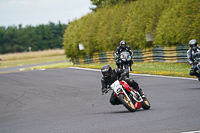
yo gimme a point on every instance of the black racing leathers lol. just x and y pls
(118, 51)
(118, 74)
(193, 56)
(121, 49)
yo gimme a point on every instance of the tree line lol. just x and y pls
(170, 22)
(18, 39)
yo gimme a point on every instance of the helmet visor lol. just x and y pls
(123, 45)
(106, 74)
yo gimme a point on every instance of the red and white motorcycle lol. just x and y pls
(128, 96)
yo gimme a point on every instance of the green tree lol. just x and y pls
(2, 32)
(11, 39)
(69, 39)
(57, 31)
(28, 38)
(19, 39)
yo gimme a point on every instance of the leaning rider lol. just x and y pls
(193, 55)
(123, 47)
(110, 76)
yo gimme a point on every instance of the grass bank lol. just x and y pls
(166, 69)
(28, 58)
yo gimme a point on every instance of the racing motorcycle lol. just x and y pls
(128, 96)
(125, 60)
(197, 61)
(196, 57)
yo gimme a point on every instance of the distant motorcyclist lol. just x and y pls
(193, 56)
(123, 47)
(110, 76)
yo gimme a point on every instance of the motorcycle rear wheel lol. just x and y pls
(146, 104)
(128, 104)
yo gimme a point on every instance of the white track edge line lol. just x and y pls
(138, 74)
(192, 132)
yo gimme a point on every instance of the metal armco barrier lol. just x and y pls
(154, 54)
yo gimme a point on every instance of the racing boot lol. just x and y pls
(198, 76)
(198, 79)
(141, 93)
(130, 69)
(130, 64)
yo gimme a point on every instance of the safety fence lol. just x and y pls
(154, 54)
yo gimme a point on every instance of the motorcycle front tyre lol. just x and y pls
(126, 66)
(146, 104)
(124, 100)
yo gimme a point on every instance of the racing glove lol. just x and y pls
(104, 90)
(124, 75)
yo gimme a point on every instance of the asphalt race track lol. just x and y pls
(69, 100)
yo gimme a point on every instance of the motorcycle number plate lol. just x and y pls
(116, 87)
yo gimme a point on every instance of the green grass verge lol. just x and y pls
(166, 69)
(22, 62)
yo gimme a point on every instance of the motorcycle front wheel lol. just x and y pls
(128, 104)
(126, 66)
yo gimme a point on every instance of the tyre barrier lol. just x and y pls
(154, 54)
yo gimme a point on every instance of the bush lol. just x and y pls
(179, 24)
(171, 22)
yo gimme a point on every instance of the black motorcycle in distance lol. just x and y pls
(125, 60)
